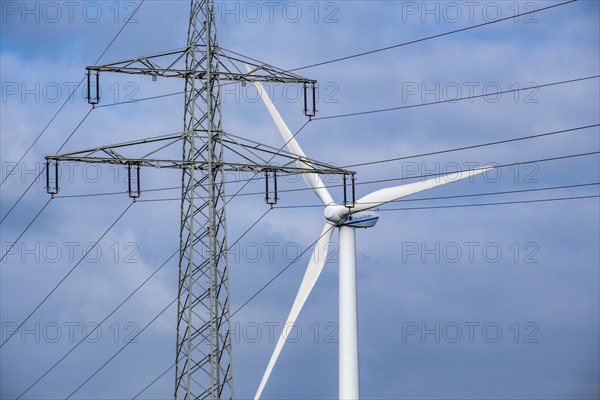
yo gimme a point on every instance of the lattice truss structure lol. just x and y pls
(203, 348)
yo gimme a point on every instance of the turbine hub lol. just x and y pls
(335, 213)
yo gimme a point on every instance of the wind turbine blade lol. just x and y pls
(383, 196)
(315, 266)
(313, 180)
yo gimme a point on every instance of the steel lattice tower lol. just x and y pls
(203, 352)
(203, 347)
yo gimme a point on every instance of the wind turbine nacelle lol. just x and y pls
(340, 215)
(362, 219)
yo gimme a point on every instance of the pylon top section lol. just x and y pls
(171, 64)
(242, 154)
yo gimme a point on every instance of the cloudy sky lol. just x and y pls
(490, 301)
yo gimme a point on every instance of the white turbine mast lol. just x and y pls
(346, 220)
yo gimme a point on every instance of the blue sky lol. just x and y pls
(520, 282)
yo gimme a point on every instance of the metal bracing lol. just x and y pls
(198, 165)
(203, 350)
(170, 64)
(203, 346)
(253, 156)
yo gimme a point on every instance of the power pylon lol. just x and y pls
(203, 347)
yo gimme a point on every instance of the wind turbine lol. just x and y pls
(346, 220)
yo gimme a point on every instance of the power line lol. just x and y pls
(492, 204)
(41, 133)
(122, 348)
(247, 301)
(590, 153)
(277, 275)
(419, 199)
(167, 308)
(75, 196)
(305, 250)
(327, 62)
(379, 50)
(462, 171)
(390, 209)
(288, 265)
(160, 96)
(407, 178)
(460, 196)
(153, 382)
(428, 37)
(391, 159)
(569, 130)
(43, 169)
(114, 310)
(154, 319)
(97, 326)
(72, 133)
(475, 146)
(471, 205)
(25, 230)
(454, 100)
(503, 192)
(74, 130)
(296, 69)
(172, 256)
(22, 195)
(120, 30)
(67, 275)
(457, 149)
(148, 190)
(71, 95)
(390, 109)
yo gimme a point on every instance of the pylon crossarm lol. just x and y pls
(165, 64)
(238, 61)
(197, 165)
(147, 65)
(251, 153)
(267, 76)
(288, 162)
(107, 148)
(257, 148)
(114, 160)
(261, 72)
